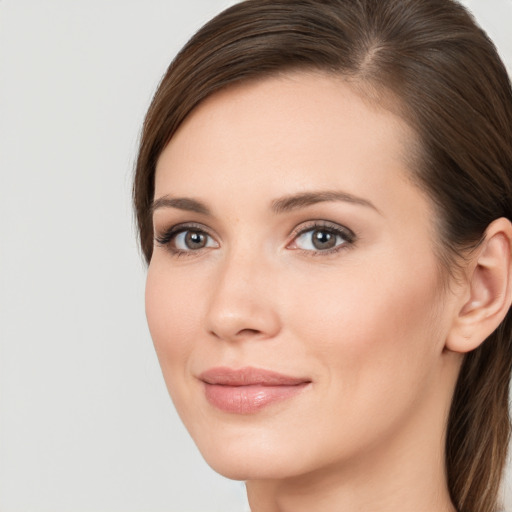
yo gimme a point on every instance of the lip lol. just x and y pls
(248, 390)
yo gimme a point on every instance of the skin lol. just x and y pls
(367, 324)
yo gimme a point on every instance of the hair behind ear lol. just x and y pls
(479, 424)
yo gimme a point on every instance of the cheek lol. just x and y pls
(369, 325)
(171, 311)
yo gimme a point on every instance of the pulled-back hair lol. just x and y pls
(430, 61)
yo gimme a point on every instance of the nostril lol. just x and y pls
(248, 332)
(240, 334)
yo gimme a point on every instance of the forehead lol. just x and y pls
(300, 130)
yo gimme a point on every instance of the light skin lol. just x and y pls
(301, 246)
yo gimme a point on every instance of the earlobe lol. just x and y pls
(488, 294)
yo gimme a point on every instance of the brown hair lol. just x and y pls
(451, 87)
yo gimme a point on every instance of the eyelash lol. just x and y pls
(166, 238)
(337, 230)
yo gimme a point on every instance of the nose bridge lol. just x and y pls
(241, 304)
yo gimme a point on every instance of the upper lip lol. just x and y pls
(249, 376)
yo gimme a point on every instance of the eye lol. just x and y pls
(192, 240)
(181, 239)
(322, 238)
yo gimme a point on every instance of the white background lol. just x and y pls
(85, 421)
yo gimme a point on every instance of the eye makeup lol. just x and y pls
(315, 237)
(186, 238)
(321, 237)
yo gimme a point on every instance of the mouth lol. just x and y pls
(248, 390)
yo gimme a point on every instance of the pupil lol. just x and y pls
(195, 240)
(324, 240)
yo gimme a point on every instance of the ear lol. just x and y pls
(487, 294)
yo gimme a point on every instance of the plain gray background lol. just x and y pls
(85, 420)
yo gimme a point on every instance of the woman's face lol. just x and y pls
(293, 296)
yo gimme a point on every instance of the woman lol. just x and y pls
(323, 193)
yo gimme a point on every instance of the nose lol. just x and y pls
(242, 305)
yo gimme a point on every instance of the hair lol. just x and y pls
(449, 84)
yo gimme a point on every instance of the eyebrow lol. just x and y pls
(304, 199)
(281, 205)
(181, 203)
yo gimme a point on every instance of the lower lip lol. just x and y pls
(248, 399)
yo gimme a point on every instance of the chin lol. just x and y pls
(243, 460)
(250, 467)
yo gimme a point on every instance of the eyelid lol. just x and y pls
(164, 237)
(347, 234)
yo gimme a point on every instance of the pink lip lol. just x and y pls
(247, 390)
